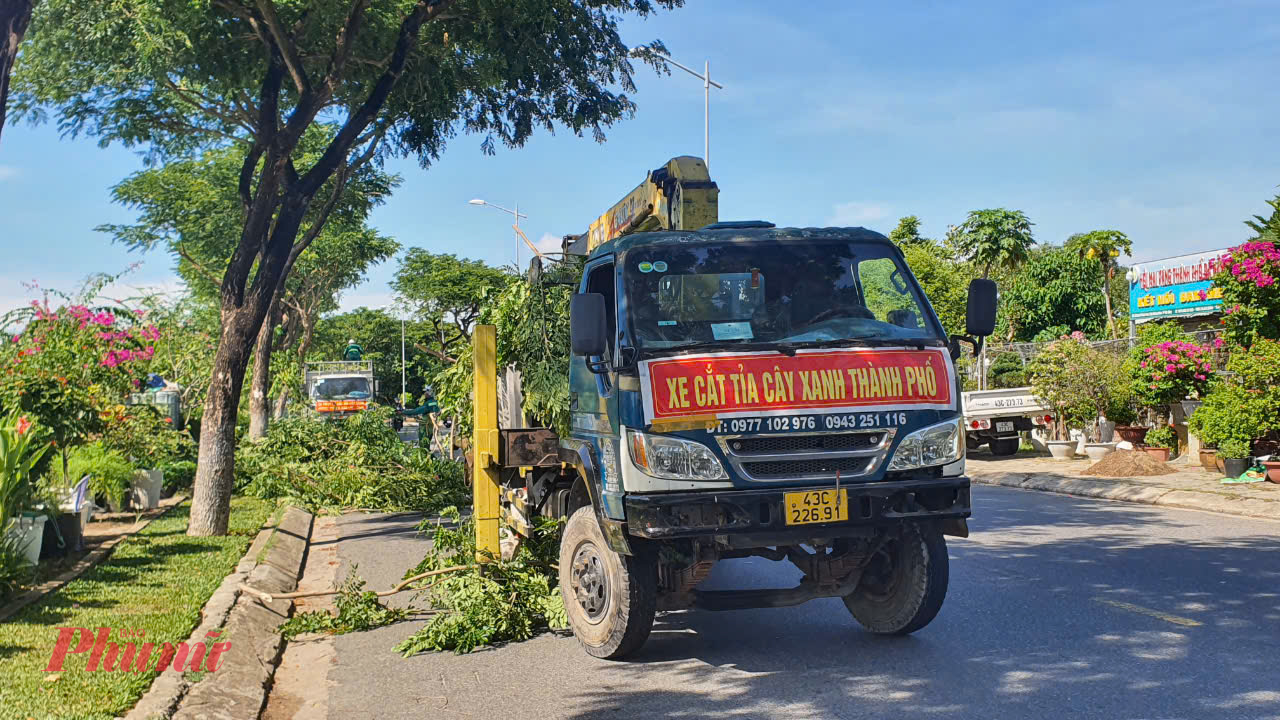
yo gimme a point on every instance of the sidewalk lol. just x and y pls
(1190, 488)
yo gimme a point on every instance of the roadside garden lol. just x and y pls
(1218, 396)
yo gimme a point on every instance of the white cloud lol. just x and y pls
(856, 213)
(548, 243)
(8, 172)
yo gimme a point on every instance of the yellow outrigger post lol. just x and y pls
(484, 480)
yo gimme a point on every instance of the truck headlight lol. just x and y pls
(935, 445)
(671, 458)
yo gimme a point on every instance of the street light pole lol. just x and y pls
(403, 389)
(707, 84)
(515, 213)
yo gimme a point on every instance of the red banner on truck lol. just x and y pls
(734, 384)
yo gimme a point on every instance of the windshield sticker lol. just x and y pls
(660, 266)
(825, 381)
(732, 331)
(645, 267)
(667, 323)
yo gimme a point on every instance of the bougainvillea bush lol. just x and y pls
(1171, 371)
(1250, 284)
(67, 366)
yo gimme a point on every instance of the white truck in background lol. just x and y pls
(995, 417)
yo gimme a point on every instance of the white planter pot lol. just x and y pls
(1062, 449)
(1097, 451)
(29, 533)
(1106, 431)
(145, 491)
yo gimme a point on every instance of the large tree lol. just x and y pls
(447, 293)
(15, 16)
(397, 77)
(1104, 247)
(994, 238)
(191, 209)
(1056, 291)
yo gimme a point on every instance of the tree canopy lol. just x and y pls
(393, 77)
(447, 293)
(995, 238)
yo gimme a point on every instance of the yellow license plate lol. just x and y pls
(816, 506)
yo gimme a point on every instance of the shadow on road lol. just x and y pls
(1055, 608)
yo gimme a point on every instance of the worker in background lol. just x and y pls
(353, 351)
(429, 410)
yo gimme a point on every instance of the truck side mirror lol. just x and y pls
(980, 313)
(587, 326)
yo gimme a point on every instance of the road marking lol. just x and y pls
(1176, 620)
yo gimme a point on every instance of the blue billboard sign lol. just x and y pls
(1175, 287)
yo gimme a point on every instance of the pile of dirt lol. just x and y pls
(1129, 463)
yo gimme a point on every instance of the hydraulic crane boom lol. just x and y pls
(680, 195)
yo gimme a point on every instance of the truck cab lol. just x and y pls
(745, 390)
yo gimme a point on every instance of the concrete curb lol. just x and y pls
(238, 690)
(1132, 492)
(168, 688)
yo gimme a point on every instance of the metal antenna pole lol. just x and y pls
(706, 113)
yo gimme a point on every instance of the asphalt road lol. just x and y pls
(1058, 607)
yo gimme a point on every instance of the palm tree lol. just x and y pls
(995, 238)
(1104, 246)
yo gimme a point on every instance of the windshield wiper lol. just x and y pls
(715, 345)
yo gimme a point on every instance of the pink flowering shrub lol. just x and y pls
(1250, 293)
(68, 364)
(1172, 371)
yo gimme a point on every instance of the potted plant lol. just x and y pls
(1235, 456)
(1160, 442)
(21, 451)
(1102, 378)
(1172, 371)
(110, 474)
(1057, 383)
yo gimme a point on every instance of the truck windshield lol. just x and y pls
(766, 292)
(343, 388)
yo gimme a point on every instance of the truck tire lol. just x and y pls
(1005, 446)
(904, 585)
(609, 598)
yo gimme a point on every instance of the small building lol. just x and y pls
(1177, 287)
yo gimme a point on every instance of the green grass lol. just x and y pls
(155, 582)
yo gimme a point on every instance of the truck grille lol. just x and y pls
(776, 470)
(815, 456)
(804, 443)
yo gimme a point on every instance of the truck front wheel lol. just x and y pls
(904, 584)
(609, 598)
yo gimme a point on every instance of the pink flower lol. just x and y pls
(1169, 368)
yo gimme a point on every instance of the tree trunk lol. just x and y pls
(260, 384)
(215, 469)
(1106, 298)
(243, 313)
(15, 15)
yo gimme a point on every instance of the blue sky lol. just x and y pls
(1158, 119)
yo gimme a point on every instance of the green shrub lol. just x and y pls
(110, 474)
(178, 474)
(1162, 436)
(359, 462)
(1234, 448)
(1007, 371)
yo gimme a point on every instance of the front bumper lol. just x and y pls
(760, 512)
